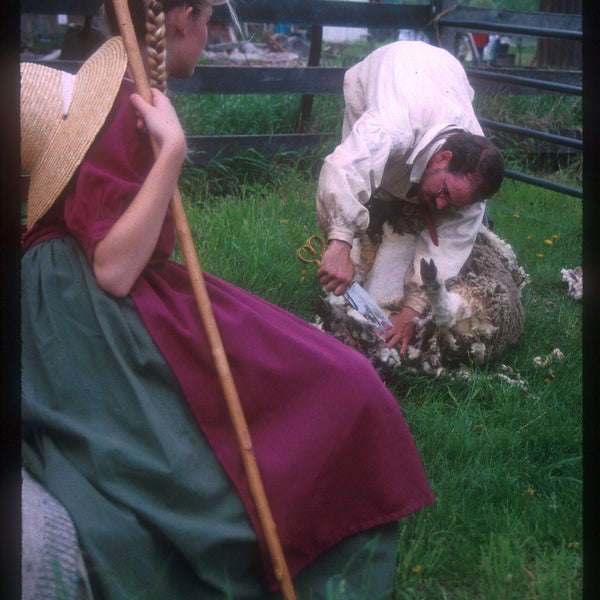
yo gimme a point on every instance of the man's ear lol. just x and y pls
(442, 158)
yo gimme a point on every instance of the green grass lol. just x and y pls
(278, 114)
(505, 465)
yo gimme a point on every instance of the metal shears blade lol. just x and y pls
(362, 301)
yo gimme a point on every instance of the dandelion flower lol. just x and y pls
(574, 544)
(554, 236)
(540, 255)
(548, 242)
(416, 569)
(517, 216)
(284, 221)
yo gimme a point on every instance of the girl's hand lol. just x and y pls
(160, 120)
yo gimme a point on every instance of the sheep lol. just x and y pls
(472, 318)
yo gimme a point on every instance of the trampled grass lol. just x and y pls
(505, 464)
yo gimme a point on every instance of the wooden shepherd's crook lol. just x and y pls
(192, 263)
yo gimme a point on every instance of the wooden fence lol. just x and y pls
(440, 19)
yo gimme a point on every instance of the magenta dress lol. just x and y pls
(335, 453)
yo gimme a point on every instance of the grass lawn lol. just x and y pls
(505, 464)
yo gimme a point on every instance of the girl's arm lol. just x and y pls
(122, 255)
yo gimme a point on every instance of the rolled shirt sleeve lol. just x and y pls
(351, 173)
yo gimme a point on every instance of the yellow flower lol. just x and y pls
(416, 569)
(284, 221)
(574, 544)
(540, 255)
(517, 216)
(554, 236)
(548, 242)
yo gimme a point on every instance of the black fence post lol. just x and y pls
(314, 59)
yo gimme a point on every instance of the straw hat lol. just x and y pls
(61, 114)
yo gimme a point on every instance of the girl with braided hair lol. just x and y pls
(123, 416)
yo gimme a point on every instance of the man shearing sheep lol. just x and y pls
(413, 161)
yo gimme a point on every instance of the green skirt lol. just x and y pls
(155, 514)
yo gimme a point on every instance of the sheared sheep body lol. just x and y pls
(471, 318)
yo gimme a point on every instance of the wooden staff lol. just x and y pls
(136, 64)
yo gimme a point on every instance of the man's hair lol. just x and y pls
(475, 154)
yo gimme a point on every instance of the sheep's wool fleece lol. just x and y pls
(473, 317)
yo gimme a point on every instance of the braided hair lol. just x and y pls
(149, 22)
(156, 44)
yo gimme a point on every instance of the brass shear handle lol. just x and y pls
(312, 250)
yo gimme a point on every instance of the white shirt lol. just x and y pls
(401, 103)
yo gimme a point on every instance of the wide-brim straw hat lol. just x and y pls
(61, 115)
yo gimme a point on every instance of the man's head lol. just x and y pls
(468, 168)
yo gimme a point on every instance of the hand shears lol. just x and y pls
(311, 252)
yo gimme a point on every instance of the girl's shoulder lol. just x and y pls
(120, 145)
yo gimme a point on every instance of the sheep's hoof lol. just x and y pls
(429, 274)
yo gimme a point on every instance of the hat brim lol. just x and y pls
(96, 86)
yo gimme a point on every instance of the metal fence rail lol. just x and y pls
(453, 18)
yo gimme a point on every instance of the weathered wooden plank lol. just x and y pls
(214, 79)
(217, 79)
(67, 7)
(319, 12)
(202, 149)
(311, 12)
(358, 14)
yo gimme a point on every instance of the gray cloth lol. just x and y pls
(52, 565)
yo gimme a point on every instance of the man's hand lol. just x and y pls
(337, 271)
(402, 330)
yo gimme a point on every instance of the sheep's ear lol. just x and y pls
(428, 270)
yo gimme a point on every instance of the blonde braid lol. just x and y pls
(156, 44)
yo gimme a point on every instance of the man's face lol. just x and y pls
(440, 188)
